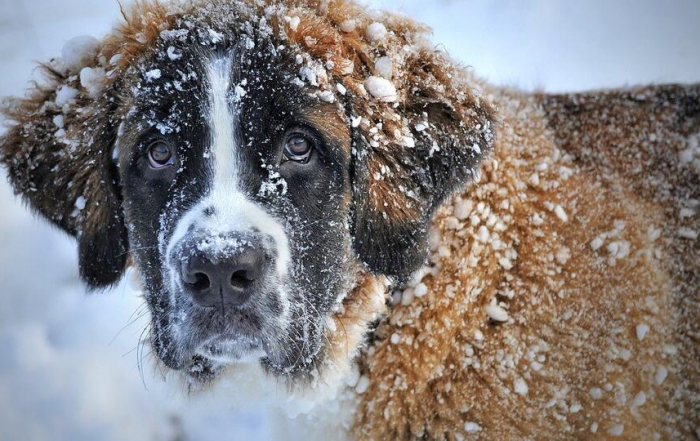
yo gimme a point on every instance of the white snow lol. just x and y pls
(381, 89)
(496, 313)
(616, 430)
(505, 263)
(687, 233)
(596, 393)
(80, 203)
(58, 121)
(78, 52)
(471, 427)
(173, 54)
(686, 156)
(483, 234)
(597, 243)
(293, 22)
(348, 25)
(563, 255)
(463, 209)
(153, 74)
(520, 387)
(384, 66)
(362, 385)
(639, 399)
(642, 330)
(420, 290)
(686, 213)
(619, 249)
(65, 95)
(561, 214)
(661, 374)
(327, 96)
(376, 32)
(92, 80)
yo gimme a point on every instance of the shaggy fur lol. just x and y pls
(561, 292)
(579, 229)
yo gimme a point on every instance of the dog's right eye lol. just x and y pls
(160, 155)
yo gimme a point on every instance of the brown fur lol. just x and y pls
(580, 312)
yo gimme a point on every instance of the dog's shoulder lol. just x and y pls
(550, 304)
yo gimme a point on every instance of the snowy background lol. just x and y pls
(68, 368)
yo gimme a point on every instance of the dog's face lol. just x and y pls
(236, 186)
(239, 159)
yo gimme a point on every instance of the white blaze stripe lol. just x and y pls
(232, 210)
(221, 123)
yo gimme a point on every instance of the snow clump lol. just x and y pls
(496, 313)
(471, 427)
(376, 32)
(642, 330)
(65, 95)
(384, 66)
(92, 80)
(79, 52)
(381, 89)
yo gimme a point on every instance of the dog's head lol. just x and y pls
(254, 161)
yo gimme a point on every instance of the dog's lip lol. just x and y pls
(231, 348)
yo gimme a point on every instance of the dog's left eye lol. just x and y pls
(160, 155)
(298, 148)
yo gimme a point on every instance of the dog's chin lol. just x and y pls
(226, 349)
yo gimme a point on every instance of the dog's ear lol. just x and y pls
(58, 154)
(410, 154)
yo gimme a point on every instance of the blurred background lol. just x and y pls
(68, 365)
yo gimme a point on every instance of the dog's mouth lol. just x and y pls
(232, 349)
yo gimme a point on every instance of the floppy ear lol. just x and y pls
(58, 154)
(410, 157)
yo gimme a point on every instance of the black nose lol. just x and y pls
(216, 279)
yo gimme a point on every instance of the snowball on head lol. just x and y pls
(376, 32)
(79, 52)
(381, 89)
(92, 80)
(384, 66)
(64, 95)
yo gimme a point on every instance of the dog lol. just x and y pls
(326, 209)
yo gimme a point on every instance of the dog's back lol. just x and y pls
(565, 284)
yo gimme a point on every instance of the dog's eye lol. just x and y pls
(298, 148)
(160, 155)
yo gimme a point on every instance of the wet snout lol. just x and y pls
(225, 270)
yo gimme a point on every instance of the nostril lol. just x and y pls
(201, 282)
(242, 279)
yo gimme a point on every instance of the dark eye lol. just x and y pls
(298, 148)
(160, 155)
